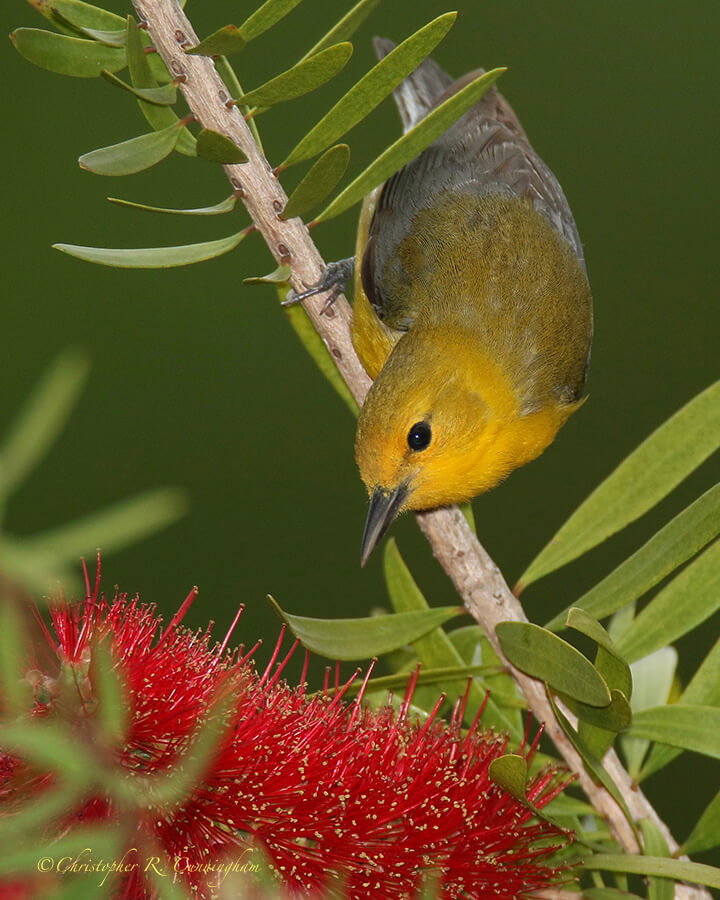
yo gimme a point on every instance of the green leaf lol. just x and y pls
(544, 655)
(655, 845)
(166, 95)
(678, 869)
(608, 894)
(436, 649)
(673, 545)
(14, 687)
(581, 621)
(320, 180)
(218, 148)
(371, 90)
(318, 351)
(474, 647)
(348, 639)
(467, 510)
(142, 77)
(113, 708)
(615, 717)
(695, 728)
(651, 471)
(132, 156)
(223, 42)
(66, 55)
(79, 14)
(226, 205)
(265, 17)
(51, 746)
(42, 420)
(706, 833)
(593, 765)
(306, 76)
(112, 37)
(105, 842)
(510, 773)
(113, 528)
(346, 27)
(411, 144)
(690, 598)
(653, 679)
(281, 275)
(704, 690)
(154, 257)
(597, 728)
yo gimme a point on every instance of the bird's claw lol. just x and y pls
(333, 280)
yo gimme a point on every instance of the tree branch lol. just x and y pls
(475, 576)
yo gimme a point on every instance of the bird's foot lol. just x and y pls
(334, 279)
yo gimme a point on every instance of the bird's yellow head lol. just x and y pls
(440, 425)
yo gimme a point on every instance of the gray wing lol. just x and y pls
(486, 150)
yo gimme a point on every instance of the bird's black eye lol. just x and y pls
(419, 436)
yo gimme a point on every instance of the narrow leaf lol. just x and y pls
(436, 648)
(132, 156)
(120, 525)
(265, 17)
(318, 351)
(346, 27)
(608, 894)
(653, 679)
(615, 717)
(695, 728)
(218, 148)
(704, 690)
(226, 205)
(690, 598)
(544, 655)
(655, 845)
(51, 746)
(651, 471)
(302, 78)
(42, 419)
(112, 37)
(143, 78)
(706, 833)
(166, 95)
(412, 143)
(80, 14)
(510, 773)
(281, 275)
(349, 639)
(154, 257)
(321, 179)
(223, 42)
(66, 55)
(678, 869)
(673, 545)
(592, 763)
(372, 89)
(113, 710)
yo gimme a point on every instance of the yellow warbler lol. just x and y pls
(472, 310)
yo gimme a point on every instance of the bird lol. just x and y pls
(472, 308)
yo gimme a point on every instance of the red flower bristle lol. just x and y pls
(333, 792)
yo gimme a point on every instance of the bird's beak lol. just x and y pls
(384, 507)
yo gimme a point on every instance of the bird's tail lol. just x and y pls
(420, 91)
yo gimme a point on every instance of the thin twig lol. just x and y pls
(475, 576)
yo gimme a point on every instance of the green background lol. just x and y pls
(198, 381)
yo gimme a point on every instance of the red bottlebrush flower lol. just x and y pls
(335, 794)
